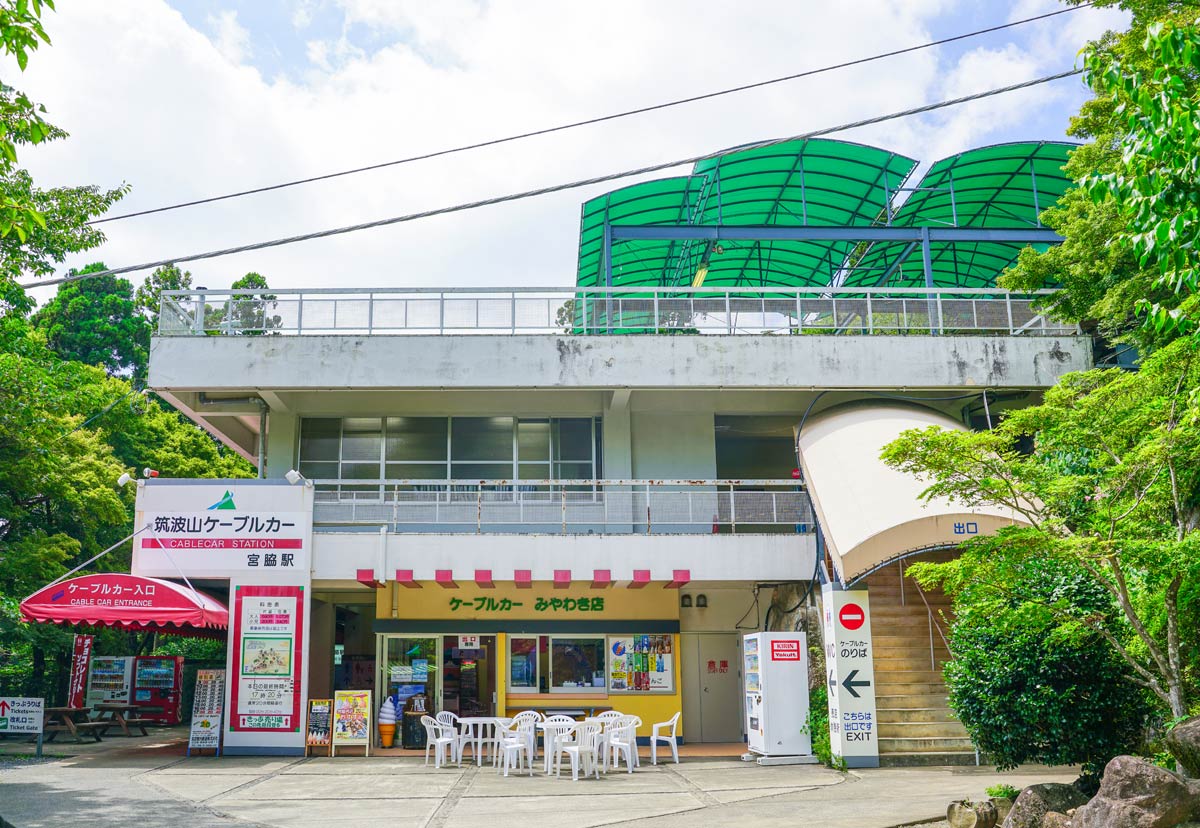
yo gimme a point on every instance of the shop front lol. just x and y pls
(479, 651)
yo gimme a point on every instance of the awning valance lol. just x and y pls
(127, 602)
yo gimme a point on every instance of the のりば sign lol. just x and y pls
(220, 528)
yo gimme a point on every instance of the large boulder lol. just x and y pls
(1183, 741)
(1136, 794)
(1036, 801)
(1053, 819)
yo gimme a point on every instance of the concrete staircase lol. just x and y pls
(915, 723)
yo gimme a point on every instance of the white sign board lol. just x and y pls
(208, 702)
(221, 528)
(850, 665)
(21, 715)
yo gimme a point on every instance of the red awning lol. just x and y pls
(127, 602)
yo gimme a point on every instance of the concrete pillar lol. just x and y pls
(616, 441)
(283, 431)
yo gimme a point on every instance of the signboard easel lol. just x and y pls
(351, 720)
(207, 704)
(320, 726)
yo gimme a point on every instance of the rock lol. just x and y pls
(1136, 794)
(1183, 740)
(963, 814)
(1003, 806)
(1053, 819)
(1036, 801)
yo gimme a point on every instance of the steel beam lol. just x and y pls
(717, 232)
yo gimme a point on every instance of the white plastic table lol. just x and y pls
(481, 730)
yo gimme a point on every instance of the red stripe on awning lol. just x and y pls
(483, 578)
(641, 577)
(601, 578)
(127, 602)
(366, 577)
(524, 578)
(445, 578)
(679, 577)
(404, 577)
(562, 579)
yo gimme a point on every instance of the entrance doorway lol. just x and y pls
(454, 672)
(712, 686)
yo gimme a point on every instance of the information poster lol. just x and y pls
(320, 724)
(351, 719)
(269, 623)
(208, 702)
(641, 664)
(81, 661)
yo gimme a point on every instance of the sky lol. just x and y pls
(187, 99)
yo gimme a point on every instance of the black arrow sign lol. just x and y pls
(849, 683)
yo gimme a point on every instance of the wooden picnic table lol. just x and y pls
(118, 716)
(71, 720)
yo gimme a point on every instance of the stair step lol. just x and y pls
(921, 744)
(890, 700)
(902, 759)
(925, 676)
(895, 715)
(922, 730)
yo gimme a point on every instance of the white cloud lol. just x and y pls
(445, 74)
(232, 39)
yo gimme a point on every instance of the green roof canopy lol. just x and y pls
(821, 183)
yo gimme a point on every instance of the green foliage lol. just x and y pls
(1029, 683)
(1112, 488)
(93, 321)
(148, 298)
(1155, 184)
(817, 727)
(1002, 791)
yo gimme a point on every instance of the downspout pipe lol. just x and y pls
(263, 410)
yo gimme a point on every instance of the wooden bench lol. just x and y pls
(76, 729)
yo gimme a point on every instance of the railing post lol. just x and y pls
(479, 509)
(198, 315)
(649, 521)
(656, 310)
(370, 312)
(442, 312)
(799, 322)
(562, 496)
(513, 312)
(728, 315)
(870, 315)
(941, 328)
(299, 314)
(732, 511)
(1008, 307)
(583, 299)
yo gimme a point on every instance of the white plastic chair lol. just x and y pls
(557, 736)
(583, 752)
(656, 737)
(527, 720)
(451, 727)
(436, 740)
(514, 743)
(622, 740)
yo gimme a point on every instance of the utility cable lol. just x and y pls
(554, 188)
(589, 121)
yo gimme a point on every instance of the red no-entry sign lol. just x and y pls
(852, 616)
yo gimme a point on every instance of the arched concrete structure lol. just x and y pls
(870, 513)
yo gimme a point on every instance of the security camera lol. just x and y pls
(125, 479)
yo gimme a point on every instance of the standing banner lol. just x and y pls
(207, 706)
(267, 658)
(81, 662)
(320, 725)
(351, 720)
(850, 664)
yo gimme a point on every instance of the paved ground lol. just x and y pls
(151, 784)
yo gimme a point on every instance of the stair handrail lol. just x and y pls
(933, 624)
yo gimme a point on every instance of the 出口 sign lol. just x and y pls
(217, 530)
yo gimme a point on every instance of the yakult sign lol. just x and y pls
(221, 528)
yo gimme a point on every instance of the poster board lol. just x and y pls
(208, 702)
(267, 654)
(320, 725)
(22, 714)
(351, 720)
(641, 663)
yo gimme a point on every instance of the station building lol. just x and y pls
(511, 491)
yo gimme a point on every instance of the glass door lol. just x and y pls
(469, 675)
(411, 666)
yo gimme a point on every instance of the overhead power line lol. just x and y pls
(589, 121)
(555, 188)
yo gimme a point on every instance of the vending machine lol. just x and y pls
(157, 688)
(109, 679)
(776, 680)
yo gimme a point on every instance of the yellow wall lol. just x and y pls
(653, 603)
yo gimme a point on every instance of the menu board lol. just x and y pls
(267, 651)
(351, 719)
(208, 702)
(641, 663)
(320, 724)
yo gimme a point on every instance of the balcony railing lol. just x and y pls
(568, 507)
(598, 311)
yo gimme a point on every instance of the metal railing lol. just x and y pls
(566, 506)
(599, 311)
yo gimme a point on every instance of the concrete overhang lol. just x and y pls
(225, 365)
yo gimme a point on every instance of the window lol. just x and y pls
(450, 448)
(523, 672)
(576, 664)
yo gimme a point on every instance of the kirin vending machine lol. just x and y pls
(109, 680)
(776, 683)
(157, 688)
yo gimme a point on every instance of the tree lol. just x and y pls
(1112, 487)
(245, 314)
(1101, 281)
(93, 321)
(1027, 686)
(148, 298)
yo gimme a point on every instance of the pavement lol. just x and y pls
(150, 783)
